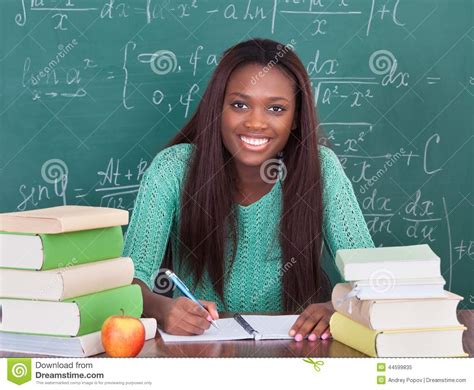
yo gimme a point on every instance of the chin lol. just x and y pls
(251, 159)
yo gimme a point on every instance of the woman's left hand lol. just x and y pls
(314, 321)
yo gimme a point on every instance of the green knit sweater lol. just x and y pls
(254, 283)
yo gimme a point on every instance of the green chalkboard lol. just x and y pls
(90, 91)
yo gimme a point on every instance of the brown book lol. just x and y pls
(62, 219)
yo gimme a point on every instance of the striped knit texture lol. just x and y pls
(254, 282)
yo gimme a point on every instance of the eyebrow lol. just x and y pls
(272, 98)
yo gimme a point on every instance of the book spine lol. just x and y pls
(98, 276)
(81, 247)
(351, 307)
(353, 334)
(96, 308)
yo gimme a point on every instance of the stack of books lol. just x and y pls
(394, 304)
(61, 277)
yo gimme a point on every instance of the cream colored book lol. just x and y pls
(66, 282)
(62, 219)
(388, 263)
(397, 313)
(419, 342)
(76, 316)
(80, 346)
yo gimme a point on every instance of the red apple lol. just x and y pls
(123, 336)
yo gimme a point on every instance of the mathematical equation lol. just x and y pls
(115, 186)
(53, 81)
(273, 12)
(422, 219)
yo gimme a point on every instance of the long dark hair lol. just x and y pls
(208, 215)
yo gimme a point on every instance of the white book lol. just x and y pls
(81, 346)
(400, 288)
(388, 263)
(258, 327)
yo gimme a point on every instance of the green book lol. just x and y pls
(72, 317)
(50, 251)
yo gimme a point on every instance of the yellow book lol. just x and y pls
(421, 342)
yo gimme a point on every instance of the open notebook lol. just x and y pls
(241, 327)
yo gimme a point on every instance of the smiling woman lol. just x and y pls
(243, 239)
(257, 119)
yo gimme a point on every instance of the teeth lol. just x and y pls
(254, 141)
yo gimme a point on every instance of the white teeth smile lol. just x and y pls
(254, 141)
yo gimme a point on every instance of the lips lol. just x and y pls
(254, 143)
(254, 140)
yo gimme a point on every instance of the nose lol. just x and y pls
(256, 121)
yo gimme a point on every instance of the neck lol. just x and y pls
(250, 185)
(249, 178)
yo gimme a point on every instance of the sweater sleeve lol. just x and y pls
(344, 225)
(152, 218)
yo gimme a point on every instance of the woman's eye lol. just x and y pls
(278, 109)
(238, 105)
(241, 105)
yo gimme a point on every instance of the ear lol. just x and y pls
(295, 123)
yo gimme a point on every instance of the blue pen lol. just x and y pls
(182, 287)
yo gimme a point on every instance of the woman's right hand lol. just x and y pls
(182, 316)
(179, 316)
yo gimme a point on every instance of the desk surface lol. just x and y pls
(269, 348)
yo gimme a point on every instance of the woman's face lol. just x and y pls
(258, 114)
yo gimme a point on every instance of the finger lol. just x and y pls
(320, 327)
(193, 308)
(197, 321)
(175, 327)
(189, 325)
(298, 323)
(303, 323)
(211, 307)
(306, 328)
(320, 330)
(326, 334)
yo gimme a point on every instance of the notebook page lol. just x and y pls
(272, 327)
(229, 329)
